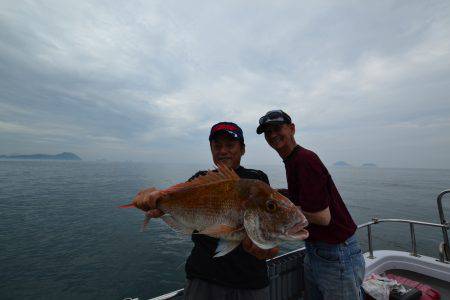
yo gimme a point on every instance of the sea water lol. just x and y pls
(63, 237)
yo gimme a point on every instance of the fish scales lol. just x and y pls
(205, 205)
(222, 205)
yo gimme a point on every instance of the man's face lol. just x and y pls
(279, 136)
(227, 151)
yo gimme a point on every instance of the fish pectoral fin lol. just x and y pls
(169, 220)
(225, 246)
(218, 230)
(145, 223)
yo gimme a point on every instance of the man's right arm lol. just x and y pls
(322, 217)
(314, 196)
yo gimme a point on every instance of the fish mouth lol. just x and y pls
(302, 234)
(297, 228)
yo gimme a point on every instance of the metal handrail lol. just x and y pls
(411, 226)
(444, 248)
(377, 220)
(286, 254)
(444, 225)
(439, 203)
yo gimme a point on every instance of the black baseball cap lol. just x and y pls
(273, 117)
(229, 128)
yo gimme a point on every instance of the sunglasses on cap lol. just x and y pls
(275, 116)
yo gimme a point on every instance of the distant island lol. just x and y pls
(341, 164)
(60, 156)
(369, 165)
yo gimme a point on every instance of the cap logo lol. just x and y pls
(224, 127)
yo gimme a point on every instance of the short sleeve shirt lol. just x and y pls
(311, 187)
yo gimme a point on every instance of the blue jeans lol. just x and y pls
(334, 271)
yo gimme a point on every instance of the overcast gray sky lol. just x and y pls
(364, 81)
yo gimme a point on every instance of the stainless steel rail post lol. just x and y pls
(413, 240)
(369, 239)
(445, 255)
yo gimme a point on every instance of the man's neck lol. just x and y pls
(285, 151)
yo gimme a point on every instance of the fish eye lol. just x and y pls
(271, 206)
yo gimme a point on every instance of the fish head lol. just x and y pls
(270, 218)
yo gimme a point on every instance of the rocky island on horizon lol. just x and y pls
(341, 163)
(369, 165)
(60, 156)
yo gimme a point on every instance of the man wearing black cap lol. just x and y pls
(242, 273)
(334, 265)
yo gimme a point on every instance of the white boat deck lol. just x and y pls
(424, 269)
(441, 286)
(389, 260)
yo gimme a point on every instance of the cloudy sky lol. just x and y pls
(364, 81)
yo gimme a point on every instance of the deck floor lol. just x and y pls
(441, 286)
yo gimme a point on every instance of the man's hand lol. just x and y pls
(259, 253)
(146, 200)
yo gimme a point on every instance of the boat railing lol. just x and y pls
(286, 270)
(444, 253)
(444, 247)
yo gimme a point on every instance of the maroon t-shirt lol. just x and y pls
(311, 187)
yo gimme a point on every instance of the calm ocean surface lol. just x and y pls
(63, 237)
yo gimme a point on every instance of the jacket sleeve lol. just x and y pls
(263, 177)
(199, 173)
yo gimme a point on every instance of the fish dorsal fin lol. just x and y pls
(223, 174)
